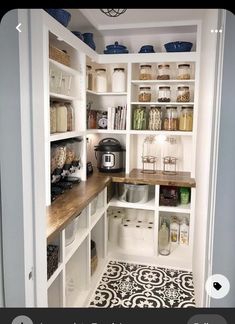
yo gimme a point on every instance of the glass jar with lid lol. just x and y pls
(139, 118)
(145, 72)
(183, 94)
(155, 118)
(144, 94)
(164, 94)
(163, 72)
(171, 119)
(52, 118)
(186, 118)
(89, 77)
(100, 80)
(118, 80)
(184, 72)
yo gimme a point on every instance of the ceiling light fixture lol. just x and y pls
(113, 12)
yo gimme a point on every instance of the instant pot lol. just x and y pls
(109, 155)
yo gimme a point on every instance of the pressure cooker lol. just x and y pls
(109, 155)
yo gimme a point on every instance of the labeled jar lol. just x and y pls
(139, 118)
(164, 94)
(118, 80)
(144, 94)
(89, 77)
(183, 94)
(100, 80)
(163, 72)
(184, 72)
(61, 118)
(186, 118)
(52, 119)
(155, 118)
(145, 72)
(171, 119)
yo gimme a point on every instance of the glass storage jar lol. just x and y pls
(186, 118)
(89, 77)
(118, 80)
(171, 119)
(139, 118)
(184, 72)
(163, 72)
(144, 94)
(183, 94)
(100, 80)
(61, 118)
(164, 94)
(145, 72)
(155, 118)
(52, 119)
(70, 117)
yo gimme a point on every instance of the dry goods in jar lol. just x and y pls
(164, 94)
(183, 72)
(163, 72)
(155, 118)
(186, 119)
(171, 119)
(52, 119)
(145, 72)
(145, 94)
(183, 94)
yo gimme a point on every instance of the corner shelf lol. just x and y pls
(150, 205)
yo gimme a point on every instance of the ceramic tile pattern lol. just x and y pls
(140, 286)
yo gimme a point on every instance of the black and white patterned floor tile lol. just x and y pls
(133, 285)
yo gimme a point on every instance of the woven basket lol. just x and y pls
(59, 55)
(52, 259)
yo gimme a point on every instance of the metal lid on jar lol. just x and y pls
(155, 107)
(104, 70)
(144, 88)
(183, 87)
(119, 69)
(164, 87)
(187, 107)
(161, 66)
(183, 65)
(145, 66)
(171, 107)
(88, 66)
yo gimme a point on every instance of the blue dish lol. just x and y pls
(115, 49)
(78, 34)
(147, 49)
(178, 46)
(60, 15)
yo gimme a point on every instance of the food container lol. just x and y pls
(61, 118)
(89, 77)
(178, 46)
(183, 72)
(183, 94)
(115, 49)
(100, 80)
(145, 72)
(70, 117)
(52, 119)
(91, 119)
(139, 118)
(184, 196)
(169, 196)
(186, 118)
(133, 193)
(155, 118)
(118, 80)
(164, 94)
(144, 94)
(163, 72)
(171, 119)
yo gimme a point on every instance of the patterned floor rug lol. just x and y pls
(133, 285)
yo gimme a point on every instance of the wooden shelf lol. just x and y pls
(62, 96)
(66, 135)
(106, 93)
(64, 68)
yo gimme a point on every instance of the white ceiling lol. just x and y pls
(95, 20)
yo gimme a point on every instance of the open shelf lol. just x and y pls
(152, 82)
(177, 209)
(96, 217)
(62, 96)
(150, 205)
(64, 68)
(106, 93)
(60, 136)
(81, 235)
(170, 103)
(55, 274)
(161, 132)
(106, 131)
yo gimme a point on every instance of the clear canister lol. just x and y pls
(52, 119)
(186, 118)
(145, 72)
(139, 118)
(89, 77)
(144, 94)
(155, 118)
(163, 72)
(183, 94)
(171, 119)
(118, 80)
(100, 80)
(164, 94)
(184, 72)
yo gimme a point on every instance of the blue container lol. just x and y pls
(115, 49)
(178, 46)
(60, 15)
(147, 49)
(88, 39)
(78, 34)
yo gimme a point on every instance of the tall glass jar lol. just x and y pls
(89, 77)
(184, 72)
(52, 119)
(164, 247)
(100, 80)
(183, 94)
(118, 80)
(171, 119)
(163, 72)
(186, 118)
(139, 118)
(144, 94)
(155, 118)
(164, 94)
(145, 72)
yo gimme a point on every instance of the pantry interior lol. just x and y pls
(95, 224)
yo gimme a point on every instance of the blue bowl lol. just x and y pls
(60, 15)
(178, 46)
(147, 49)
(116, 51)
(78, 34)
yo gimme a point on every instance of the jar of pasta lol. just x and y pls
(164, 94)
(183, 72)
(144, 94)
(186, 118)
(171, 119)
(155, 118)
(163, 72)
(145, 72)
(183, 94)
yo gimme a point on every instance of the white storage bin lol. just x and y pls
(70, 231)
(94, 205)
(133, 193)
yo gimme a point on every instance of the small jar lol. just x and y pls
(52, 119)
(61, 118)
(155, 118)
(183, 72)
(186, 118)
(171, 119)
(183, 94)
(163, 72)
(89, 77)
(164, 94)
(145, 94)
(139, 118)
(118, 80)
(145, 72)
(100, 80)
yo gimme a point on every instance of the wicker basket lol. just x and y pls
(52, 259)
(59, 55)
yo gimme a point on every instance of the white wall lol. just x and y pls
(1, 261)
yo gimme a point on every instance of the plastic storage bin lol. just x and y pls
(70, 231)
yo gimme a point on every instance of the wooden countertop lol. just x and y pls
(73, 201)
